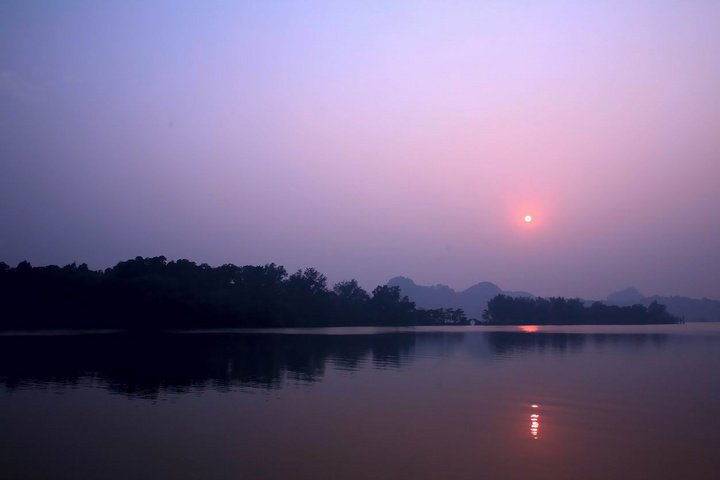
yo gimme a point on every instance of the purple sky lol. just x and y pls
(369, 139)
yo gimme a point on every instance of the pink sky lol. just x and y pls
(370, 140)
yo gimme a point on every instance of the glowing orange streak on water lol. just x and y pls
(529, 328)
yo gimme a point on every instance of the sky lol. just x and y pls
(369, 139)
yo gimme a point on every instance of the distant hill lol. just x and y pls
(691, 309)
(473, 299)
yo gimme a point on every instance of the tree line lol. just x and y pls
(152, 293)
(506, 310)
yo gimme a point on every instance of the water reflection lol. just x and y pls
(505, 344)
(421, 405)
(535, 421)
(145, 366)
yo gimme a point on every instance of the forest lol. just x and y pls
(152, 293)
(507, 310)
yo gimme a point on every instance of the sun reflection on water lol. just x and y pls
(529, 328)
(535, 422)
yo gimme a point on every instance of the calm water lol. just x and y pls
(456, 403)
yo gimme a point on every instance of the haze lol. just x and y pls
(369, 139)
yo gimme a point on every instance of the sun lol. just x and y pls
(528, 218)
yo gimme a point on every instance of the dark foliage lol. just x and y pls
(506, 310)
(152, 293)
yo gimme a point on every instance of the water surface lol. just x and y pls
(364, 403)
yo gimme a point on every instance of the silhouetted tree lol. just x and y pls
(506, 310)
(152, 293)
(350, 291)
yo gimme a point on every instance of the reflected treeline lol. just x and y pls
(146, 365)
(512, 343)
(150, 365)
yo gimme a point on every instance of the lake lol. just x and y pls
(364, 403)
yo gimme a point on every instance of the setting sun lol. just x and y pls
(528, 218)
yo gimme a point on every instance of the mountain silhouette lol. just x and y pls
(691, 309)
(627, 296)
(473, 299)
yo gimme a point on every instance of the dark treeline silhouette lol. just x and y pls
(152, 293)
(506, 310)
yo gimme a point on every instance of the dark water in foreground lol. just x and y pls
(456, 403)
